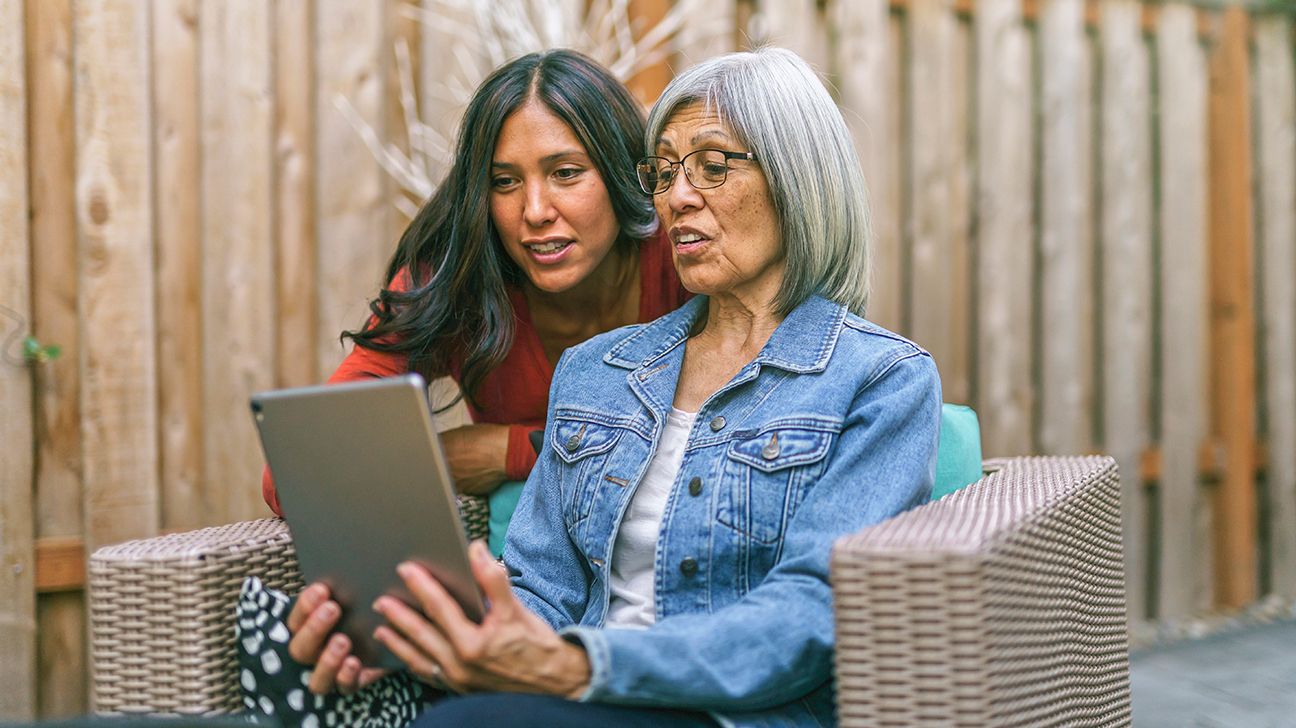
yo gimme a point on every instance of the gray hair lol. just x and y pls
(778, 106)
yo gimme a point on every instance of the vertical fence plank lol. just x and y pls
(865, 65)
(441, 110)
(238, 251)
(938, 190)
(402, 28)
(441, 101)
(1066, 250)
(648, 83)
(1003, 284)
(709, 30)
(61, 662)
(186, 503)
(352, 247)
(115, 219)
(17, 589)
(1232, 306)
(957, 374)
(1184, 557)
(797, 25)
(1127, 272)
(1275, 98)
(295, 233)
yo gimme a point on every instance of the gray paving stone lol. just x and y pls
(1243, 679)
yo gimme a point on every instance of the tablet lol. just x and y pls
(364, 485)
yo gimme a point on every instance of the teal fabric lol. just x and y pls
(958, 457)
(958, 464)
(502, 504)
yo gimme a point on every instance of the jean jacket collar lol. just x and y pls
(802, 343)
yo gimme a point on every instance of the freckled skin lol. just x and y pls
(744, 257)
(740, 266)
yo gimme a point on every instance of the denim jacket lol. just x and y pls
(832, 427)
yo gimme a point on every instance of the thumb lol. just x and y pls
(491, 578)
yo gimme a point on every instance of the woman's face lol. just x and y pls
(550, 207)
(726, 239)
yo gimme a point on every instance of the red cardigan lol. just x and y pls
(516, 393)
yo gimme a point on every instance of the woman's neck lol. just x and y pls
(742, 320)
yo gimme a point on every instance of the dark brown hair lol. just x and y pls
(457, 303)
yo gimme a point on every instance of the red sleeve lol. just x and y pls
(520, 456)
(268, 491)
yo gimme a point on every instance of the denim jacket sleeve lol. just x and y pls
(775, 644)
(548, 574)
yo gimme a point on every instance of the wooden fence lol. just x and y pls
(1085, 210)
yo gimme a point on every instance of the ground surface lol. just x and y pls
(1244, 678)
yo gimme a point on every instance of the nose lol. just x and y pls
(682, 195)
(539, 210)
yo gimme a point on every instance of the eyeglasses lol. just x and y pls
(704, 169)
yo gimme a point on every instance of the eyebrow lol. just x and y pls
(698, 138)
(547, 159)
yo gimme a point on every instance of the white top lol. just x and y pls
(631, 581)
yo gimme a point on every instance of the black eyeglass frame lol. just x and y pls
(676, 166)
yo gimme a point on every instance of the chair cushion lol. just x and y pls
(503, 501)
(958, 457)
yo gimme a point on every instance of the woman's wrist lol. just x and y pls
(575, 671)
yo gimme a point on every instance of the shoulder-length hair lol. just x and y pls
(456, 303)
(778, 107)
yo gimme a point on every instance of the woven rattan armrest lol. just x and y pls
(162, 612)
(1002, 604)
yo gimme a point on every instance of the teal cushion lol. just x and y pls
(958, 457)
(502, 504)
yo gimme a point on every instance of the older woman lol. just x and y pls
(668, 562)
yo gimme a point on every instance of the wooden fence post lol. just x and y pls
(868, 69)
(1232, 311)
(61, 651)
(295, 210)
(939, 191)
(1003, 201)
(648, 83)
(1183, 558)
(187, 498)
(352, 248)
(17, 588)
(1066, 231)
(238, 311)
(115, 250)
(1275, 96)
(1127, 275)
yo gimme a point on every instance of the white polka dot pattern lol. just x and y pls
(273, 682)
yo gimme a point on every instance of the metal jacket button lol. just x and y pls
(689, 566)
(717, 424)
(771, 449)
(695, 487)
(573, 442)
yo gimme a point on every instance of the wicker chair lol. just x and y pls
(1001, 604)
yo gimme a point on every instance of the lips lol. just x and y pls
(688, 240)
(552, 246)
(548, 250)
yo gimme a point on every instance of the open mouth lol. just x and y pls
(689, 242)
(549, 247)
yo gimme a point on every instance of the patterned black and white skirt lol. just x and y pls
(273, 685)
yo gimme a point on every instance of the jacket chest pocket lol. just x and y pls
(584, 447)
(765, 477)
